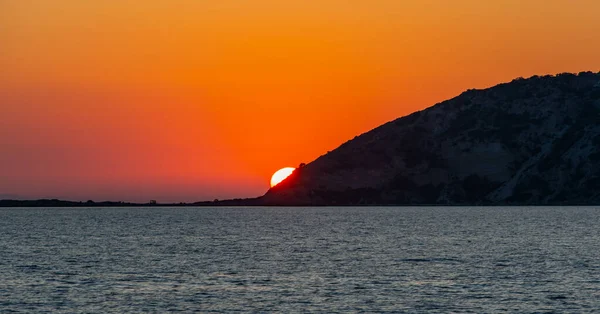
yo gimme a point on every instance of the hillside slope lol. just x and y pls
(530, 141)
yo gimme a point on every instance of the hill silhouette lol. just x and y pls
(530, 141)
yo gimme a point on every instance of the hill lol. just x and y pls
(530, 141)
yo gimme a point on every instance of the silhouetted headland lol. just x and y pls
(532, 141)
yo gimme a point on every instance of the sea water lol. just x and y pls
(334, 260)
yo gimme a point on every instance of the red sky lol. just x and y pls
(194, 100)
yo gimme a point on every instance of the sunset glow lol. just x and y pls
(196, 100)
(281, 175)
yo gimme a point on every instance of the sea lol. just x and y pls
(300, 260)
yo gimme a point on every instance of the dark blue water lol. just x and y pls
(469, 259)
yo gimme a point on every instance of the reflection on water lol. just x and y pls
(426, 259)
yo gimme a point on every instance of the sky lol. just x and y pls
(187, 100)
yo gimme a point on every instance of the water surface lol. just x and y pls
(381, 259)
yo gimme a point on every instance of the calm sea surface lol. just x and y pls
(385, 259)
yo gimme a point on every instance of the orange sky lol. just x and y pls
(191, 100)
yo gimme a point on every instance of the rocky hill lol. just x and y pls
(530, 141)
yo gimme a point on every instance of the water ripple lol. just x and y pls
(338, 260)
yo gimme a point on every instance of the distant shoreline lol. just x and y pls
(65, 203)
(250, 202)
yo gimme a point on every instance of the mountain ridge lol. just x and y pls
(528, 141)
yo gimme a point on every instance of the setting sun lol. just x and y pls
(280, 175)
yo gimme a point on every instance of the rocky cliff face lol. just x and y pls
(530, 141)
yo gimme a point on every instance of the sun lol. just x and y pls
(280, 175)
